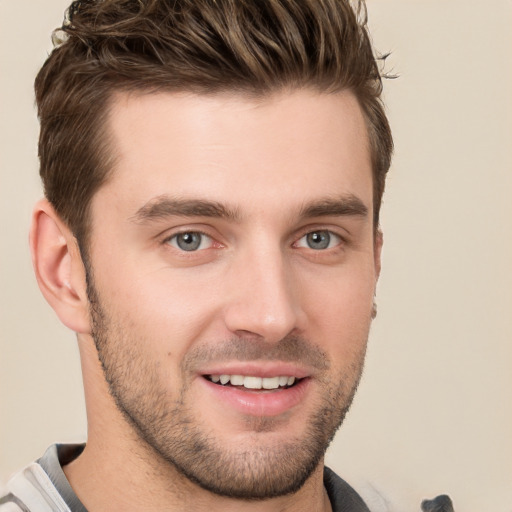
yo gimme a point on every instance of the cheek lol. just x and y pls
(161, 309)
(339, 308)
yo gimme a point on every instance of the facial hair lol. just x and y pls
(168, 425)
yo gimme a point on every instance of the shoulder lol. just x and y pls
(31, 490)
(343, 498)
(9, 503)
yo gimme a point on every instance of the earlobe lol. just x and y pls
(59, 268)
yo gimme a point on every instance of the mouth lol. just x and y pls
(254, 383)
(259, 388)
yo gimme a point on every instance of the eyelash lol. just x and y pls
(332, 236)
(204, 235)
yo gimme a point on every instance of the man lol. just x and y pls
(213, 173)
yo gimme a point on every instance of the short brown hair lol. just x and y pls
(203, 46)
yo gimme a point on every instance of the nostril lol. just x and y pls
(248, 335)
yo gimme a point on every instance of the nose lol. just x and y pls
(264, 299)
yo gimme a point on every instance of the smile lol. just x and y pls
(253, 382)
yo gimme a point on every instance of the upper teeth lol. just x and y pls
(251, 382)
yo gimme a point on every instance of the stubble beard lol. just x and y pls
(167, 427)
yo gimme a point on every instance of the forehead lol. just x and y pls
(271, 151)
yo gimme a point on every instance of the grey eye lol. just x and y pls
(190, 241)
(318, 240)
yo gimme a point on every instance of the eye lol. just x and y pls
(319, 240)
(190, 241)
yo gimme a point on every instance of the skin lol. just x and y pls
(163, 317)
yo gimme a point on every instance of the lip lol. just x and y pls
(259, 369)
(257, 403)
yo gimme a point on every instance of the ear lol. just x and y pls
(378, 242)
(377, 250)
(59, 268)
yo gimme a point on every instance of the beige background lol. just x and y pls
(434, 412)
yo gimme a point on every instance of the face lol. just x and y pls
(233, 265)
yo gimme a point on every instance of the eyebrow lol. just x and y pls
(347, 205)
(163, 207)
